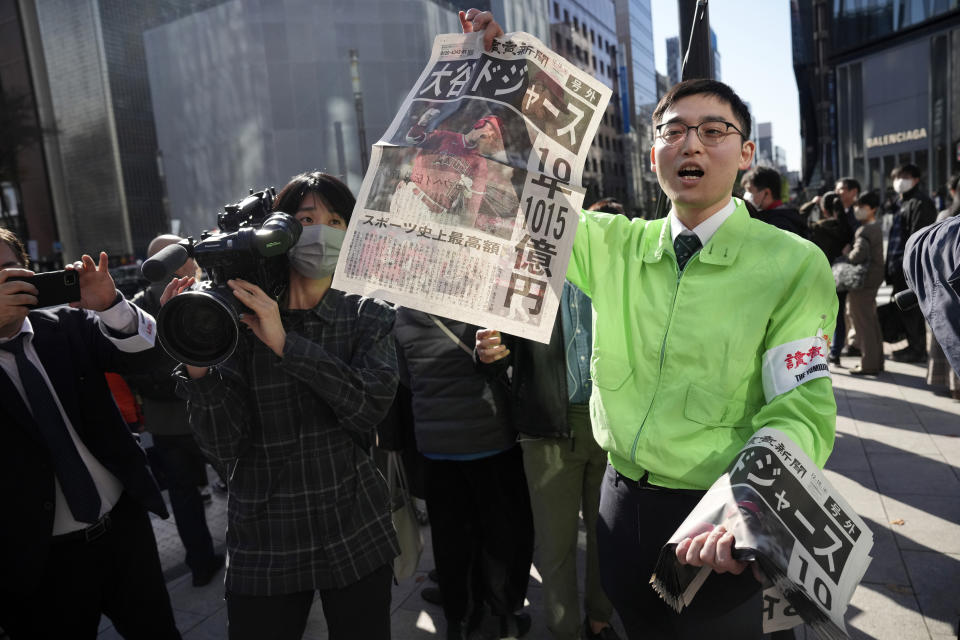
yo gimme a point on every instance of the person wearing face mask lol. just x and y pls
(182, 461)
(291, 416)
(862, 302)
(916, 212)
(761, 188)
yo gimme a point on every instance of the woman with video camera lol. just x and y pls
(287, 418)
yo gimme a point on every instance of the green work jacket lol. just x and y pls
(686, 367)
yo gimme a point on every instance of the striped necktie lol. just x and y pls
(685, 245)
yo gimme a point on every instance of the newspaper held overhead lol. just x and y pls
(470, 204)
(784, 514)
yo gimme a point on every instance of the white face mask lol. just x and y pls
(861, 214)
(748, 196)
(902, 185)
(315, 254)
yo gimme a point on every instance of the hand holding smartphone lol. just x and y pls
(53, 288)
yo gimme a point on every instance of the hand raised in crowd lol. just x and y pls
(15, 295)
(97, 289)
(175, 287)
(473, 20)
(489, 348)
(265, 321)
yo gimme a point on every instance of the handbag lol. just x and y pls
(847, 276)
(891, 322)
(404, 519)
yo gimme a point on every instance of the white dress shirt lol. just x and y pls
(122, 318)
(705, 229)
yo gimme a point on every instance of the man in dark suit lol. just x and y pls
(76, 540)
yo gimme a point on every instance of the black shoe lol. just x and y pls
(432, 595)
(607, 633)
(434, 576)
(909, 355)
(203, 578)
(832, 359)
(515, 625)
(851, 351)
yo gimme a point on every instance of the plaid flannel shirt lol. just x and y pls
(307, 508)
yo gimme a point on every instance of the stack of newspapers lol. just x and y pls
(807, 542)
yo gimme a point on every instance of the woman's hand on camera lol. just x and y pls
(266, 323)
(175, 287)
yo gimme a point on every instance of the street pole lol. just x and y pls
(697, 53)
(358, 103)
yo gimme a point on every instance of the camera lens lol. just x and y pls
(200, 328)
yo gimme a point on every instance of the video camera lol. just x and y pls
(201, 327)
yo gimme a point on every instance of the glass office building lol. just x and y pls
(879, 86)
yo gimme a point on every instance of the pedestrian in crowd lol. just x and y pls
(916, 211)
(564, 465)
(939, 372)
(177, 453)
(862, 302)
(674, 300)
(848, 191)
(291, 415)
(480, 521)
(762, 188)
(76, 540)
(833, 236)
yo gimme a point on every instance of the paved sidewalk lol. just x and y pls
(896, 460)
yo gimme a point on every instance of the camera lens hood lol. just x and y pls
(200, 328)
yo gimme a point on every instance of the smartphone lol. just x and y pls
(54, 288)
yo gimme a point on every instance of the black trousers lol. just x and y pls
(118, 574)
(840, 333)
(634, 524)
(482, 531)
(185, 469)
(359, 610)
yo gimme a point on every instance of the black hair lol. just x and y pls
(706, 86)
(764, 178)
(607, 205)
(831, 203)
(10, 239)
(869, 199)
(911, 170)
(333, 193)
(954, 182)
(850, 183)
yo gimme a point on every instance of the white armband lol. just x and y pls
(789, 365)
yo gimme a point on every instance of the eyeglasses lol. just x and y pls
(711, 132)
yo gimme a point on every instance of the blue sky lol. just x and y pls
(754, 40)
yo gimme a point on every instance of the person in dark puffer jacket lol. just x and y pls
(480, 519)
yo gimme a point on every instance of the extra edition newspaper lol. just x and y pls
(784, 514)
(471, 201)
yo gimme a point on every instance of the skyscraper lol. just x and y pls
(89, 72)
(877, 84)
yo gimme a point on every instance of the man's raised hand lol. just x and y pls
(473, 20)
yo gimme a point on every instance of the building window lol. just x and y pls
(601, 68)
(556, 10)
(576, 24)
(566, 17)
(569, 46)
(592, 41)
(593, 60)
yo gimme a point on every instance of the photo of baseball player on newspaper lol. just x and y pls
(451, 167)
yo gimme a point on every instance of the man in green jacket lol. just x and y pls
(708, 326)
